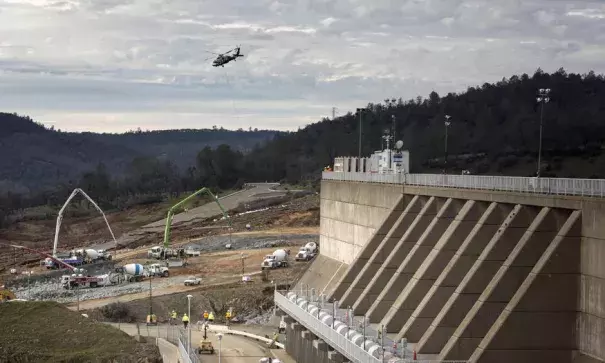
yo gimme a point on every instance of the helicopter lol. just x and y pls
(224, 58)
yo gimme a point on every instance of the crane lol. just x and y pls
(164, 251)
(60, 218)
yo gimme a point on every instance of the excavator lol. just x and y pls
(164, 251)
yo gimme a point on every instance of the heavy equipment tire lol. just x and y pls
(93, 284)
(165, 273)
(109, 257)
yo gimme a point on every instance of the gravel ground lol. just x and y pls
(55, 292)
(49, 287)
(238, 242)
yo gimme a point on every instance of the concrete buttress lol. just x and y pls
(397, 314)
(362, 258)
(356, 291)
(504, 283)
(476, 279)
(378, 286)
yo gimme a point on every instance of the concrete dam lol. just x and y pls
(453, 268)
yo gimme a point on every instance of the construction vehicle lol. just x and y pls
(165, 251)
(156, 269)
(90, 256)
(60, 218)
(279, 258)
(193, 252)
(307, 252)
(205, 345)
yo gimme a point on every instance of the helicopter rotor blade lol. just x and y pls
(210, 52)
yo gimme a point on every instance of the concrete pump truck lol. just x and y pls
(164, 251)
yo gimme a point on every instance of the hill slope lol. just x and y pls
(494, 130)
(35, 158)
(49, 332)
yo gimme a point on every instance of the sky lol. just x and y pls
(117, 65)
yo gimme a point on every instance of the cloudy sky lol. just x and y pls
(115, 65)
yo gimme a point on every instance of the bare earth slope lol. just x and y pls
(49, 332)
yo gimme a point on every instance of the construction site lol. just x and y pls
(142, 265)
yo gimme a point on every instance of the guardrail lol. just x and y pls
(553, 186)
(339, 342)
(179, 337)
(339, 339)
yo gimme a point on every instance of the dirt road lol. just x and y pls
(257, 191)
(96, 303)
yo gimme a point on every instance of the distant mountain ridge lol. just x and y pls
(33, 157)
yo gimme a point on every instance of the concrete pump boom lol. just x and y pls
(60, 218)
(179, 204)
(44, 254)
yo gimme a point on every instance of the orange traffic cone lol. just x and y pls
(415, 357)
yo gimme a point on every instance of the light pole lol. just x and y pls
(189, 325)
(360, 111)
(542, 98)
(447, 124)
(220, 338)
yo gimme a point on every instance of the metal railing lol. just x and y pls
(179, 337)
(388, 351)
(553, 186)
(337, 341)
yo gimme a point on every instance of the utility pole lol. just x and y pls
(543, 97)
(150, 320)
(394, 127)
(447, 125)
(333, 113)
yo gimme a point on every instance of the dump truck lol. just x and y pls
(279, 258)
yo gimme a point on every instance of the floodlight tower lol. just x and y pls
(542, 98)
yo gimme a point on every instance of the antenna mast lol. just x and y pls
(333, 113)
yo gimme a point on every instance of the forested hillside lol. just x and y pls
(494, 130)
(35, 158)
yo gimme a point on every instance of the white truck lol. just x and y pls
(156, 269)
(277, 259)
(159, 252)
(307, 252)
(192, 280)
(192, 252)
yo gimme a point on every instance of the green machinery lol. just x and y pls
(175, 207)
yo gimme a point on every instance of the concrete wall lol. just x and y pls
(350, 214)
(591, 298)
(365, 226)
(305, 347)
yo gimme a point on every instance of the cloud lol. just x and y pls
(114, 65)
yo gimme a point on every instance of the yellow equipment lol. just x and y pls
(6, 295)
(205, 347)
(205, 344)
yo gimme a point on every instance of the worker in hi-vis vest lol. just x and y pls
(205, 315)
(185, 320)
(211, 317)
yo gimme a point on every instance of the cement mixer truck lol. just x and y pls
(307, 252)
(277, 259)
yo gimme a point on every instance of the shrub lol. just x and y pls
(117, 312)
